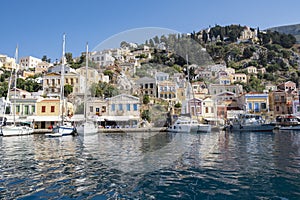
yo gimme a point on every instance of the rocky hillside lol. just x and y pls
(288, 29)
(236, 46)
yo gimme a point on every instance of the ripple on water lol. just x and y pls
(151, 166)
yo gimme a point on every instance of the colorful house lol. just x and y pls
(255, 102)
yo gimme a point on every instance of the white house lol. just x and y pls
(29, 62)
(102, 58)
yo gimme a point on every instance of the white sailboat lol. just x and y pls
(64, 128)
(14, 129)
(87, 126)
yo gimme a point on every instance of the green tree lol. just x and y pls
(69, 58)
(109, 73)
(247, 53)
(146, 115)
(151, 43)
(68, 89)
(156, 39)
(3, 89)
(146, 99)
(178, 105)
(103, 89)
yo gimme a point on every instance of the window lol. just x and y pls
(128, 107)
(91, 109)
(263, 106)
(120, 106)
(256, 107)
(52, 109)
(151, 85)
(17, 109)
(206, 110)
(33, 109)
(250, 106)
(135, 107)
(43, 109)
(26, 110)
(113, 107)
(277, 108)
(103, 109)
(298, 108)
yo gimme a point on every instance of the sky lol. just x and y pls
(37, 26)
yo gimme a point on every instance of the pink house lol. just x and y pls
(288, 86)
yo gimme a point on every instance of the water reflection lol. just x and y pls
(151, 165)
(137, 153)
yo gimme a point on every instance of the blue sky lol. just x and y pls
(37, 26)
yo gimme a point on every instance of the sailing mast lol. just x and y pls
(190, 87)
(12, 108)
(62, 79)
(15, 88)
(86, 78)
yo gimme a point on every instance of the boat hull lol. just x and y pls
(63, 130)
(253, 128)
(200, 128)
(289, 128)
(16, 130)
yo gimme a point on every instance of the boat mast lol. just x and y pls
(62, 79)
(86, 78)
(190, 87)
(15, 88)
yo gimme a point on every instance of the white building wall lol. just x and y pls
(29, 62)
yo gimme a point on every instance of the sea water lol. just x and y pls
(151, 165)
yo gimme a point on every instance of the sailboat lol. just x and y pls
(14, 129)
(186, 124)
(86, 126)
(65, 127)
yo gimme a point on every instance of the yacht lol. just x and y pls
(189, 125)
(250, 123)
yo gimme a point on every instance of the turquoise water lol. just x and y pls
(151, 166)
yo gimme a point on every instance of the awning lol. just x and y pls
(43, 118)
(117, 118)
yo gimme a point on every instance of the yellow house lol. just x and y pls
(47, 113)
(27, 74)
(48, 107)
(240, 77)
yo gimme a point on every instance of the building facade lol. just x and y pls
(29, 62)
